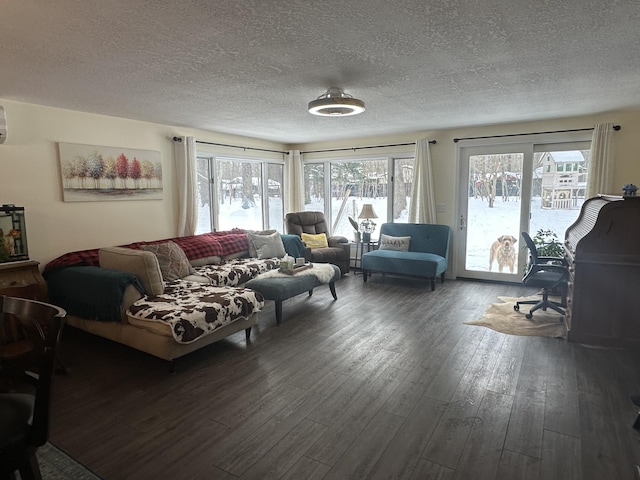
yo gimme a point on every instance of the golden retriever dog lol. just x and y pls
(503, 252)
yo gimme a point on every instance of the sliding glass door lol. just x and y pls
(507, 189)
(491, 211)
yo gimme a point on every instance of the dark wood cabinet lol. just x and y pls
(603, 251)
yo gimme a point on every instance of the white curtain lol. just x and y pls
(423, 206)
(293, 183)
(186, 175)
(600, 173)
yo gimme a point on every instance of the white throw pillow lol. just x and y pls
(266, 246)
(387, 242)
(252, 250)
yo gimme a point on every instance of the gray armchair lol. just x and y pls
(314, 223)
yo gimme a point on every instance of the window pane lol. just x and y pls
(354, 184)
(204, 196)
(493, 210)
(557, 194)
(402, 185)
(239, 185)
(314, 187)
(274, 192)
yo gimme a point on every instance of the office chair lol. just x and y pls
(25, 382)
(547, 273)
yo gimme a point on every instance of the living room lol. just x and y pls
(32, 164)
(384, 382)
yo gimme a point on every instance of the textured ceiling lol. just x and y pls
(249, 67)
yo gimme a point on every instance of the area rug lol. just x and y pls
(57, 465)
(502, 318)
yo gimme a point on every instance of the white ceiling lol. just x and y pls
(249, 67)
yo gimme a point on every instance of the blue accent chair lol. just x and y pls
(428, 254)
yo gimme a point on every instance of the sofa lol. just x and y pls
(414, 249)
(320, 246)
(167, 297)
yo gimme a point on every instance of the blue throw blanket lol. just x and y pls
(90, 292)
(293, 245)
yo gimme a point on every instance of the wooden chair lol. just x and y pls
(15, 343)
(25, 382)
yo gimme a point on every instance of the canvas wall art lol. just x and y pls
(93, 173)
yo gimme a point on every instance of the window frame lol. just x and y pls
(212, 157)
(390, 159)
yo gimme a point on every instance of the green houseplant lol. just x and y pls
(356, 229)
(548, 244)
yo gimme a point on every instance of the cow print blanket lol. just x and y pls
(237, 272)
(193, 309)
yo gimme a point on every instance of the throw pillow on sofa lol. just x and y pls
(266, 246)
(174, 263)
(315, 241)
(400, 244)
(252, 249)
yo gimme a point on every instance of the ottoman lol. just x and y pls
(279, 288)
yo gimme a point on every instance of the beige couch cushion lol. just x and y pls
(173, 262)
(200, 262)
(143, 265)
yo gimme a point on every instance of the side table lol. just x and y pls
(361, 248)
(14, 275)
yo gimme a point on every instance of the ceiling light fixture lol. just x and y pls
(335, 103)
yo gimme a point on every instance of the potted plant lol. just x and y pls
(356, 229)
(547, 244)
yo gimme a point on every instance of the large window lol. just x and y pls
(355, 183)
(239, 193)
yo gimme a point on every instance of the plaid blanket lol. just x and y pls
(212, 244)
(196, 246)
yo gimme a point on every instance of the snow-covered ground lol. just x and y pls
(485, 225)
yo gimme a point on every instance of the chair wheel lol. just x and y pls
(529, 316)
(516, 308)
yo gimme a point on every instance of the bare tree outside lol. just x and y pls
(493, 175)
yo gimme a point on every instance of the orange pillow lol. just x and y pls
(315, 241)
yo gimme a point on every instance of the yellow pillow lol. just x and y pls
(315, 241)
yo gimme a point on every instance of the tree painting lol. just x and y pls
(93, 173)
(122, 169)
(135, 171)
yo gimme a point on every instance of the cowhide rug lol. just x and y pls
(501, 317)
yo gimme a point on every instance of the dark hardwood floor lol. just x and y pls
(386, 382)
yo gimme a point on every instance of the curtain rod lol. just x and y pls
(362, 148)
(456, 140)
(178, 139)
